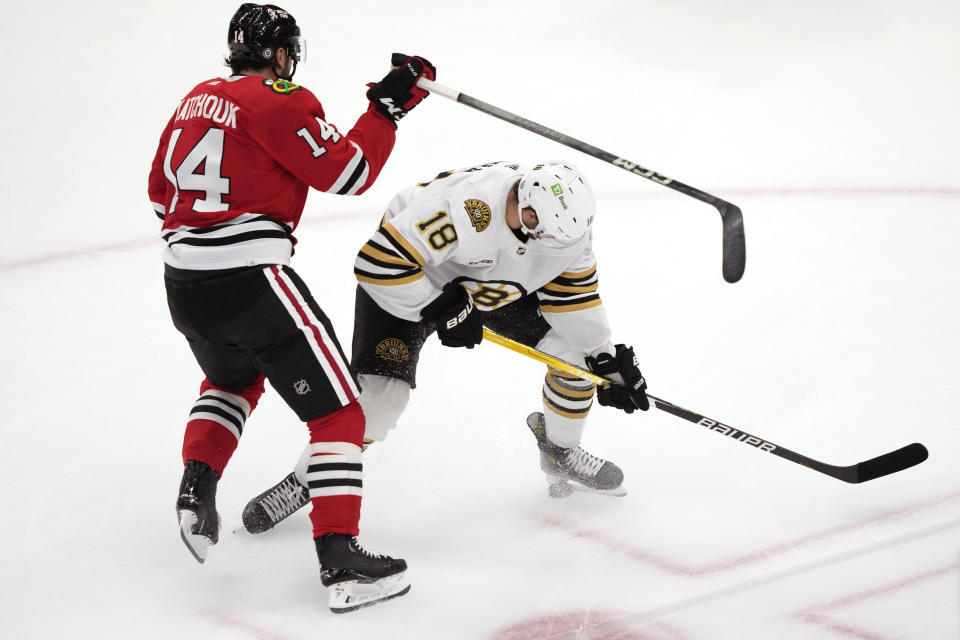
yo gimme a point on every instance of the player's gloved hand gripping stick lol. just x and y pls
(628, 390)
(398, 92)
(458, 322)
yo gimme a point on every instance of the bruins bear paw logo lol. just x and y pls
(479, 212)
(393, 349)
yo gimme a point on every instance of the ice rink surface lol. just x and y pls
(832, 125)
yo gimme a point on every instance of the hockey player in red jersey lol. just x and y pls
(229, 180)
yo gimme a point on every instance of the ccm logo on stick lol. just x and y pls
(713, 425)
(633, 167)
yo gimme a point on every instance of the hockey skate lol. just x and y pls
(197, 509)
(277, 503)
(356, 577)
(574, 469)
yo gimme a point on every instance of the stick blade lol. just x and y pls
(903, 458)
(734, 244)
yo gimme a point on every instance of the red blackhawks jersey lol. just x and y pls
(232, 171)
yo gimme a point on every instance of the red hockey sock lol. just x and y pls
(335, 471)
(216, 423)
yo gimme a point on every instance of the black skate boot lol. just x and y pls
(197, 508)
(356, 577)
(277, 503)
(573, 469)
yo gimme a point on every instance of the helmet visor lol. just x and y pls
(297, 49)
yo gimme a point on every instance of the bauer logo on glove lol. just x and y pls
(458, 323)
(462, 316)
(628, 391)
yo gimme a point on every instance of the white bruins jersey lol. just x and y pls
(454, 228)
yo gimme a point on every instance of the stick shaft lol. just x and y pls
(734, 244)
(880, 466)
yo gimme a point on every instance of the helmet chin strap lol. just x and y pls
(276, 68)
(527, 230)
(523, 226)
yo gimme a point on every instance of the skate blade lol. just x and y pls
(564, 489)
(353, 594)
(196, 544)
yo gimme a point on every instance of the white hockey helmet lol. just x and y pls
(563, 201)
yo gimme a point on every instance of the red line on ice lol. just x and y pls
(818, 614)
(78, 254)
(586, 625)
(321, 219)
(846, 191)
(665, 564)
(230, 621)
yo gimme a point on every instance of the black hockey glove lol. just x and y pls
(629, 391)
(398, 92)
(458, 323)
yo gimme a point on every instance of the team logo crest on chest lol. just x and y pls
(479, 212)
(492, 294)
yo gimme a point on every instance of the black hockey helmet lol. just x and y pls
(257, 31)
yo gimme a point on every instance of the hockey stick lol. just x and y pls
(734, 247)
(883, 465)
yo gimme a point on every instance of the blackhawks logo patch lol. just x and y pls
(283, 87)
(393, 349)
(479, 212)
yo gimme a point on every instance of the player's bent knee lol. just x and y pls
(383, 400)
(557, 347)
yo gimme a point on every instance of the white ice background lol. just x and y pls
(834, 125)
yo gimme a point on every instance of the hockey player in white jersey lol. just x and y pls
(500, 245)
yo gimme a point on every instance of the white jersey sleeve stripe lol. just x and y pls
(361, 181)
(343, 181)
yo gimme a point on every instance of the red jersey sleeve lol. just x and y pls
(158, 182)
(293, 130)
